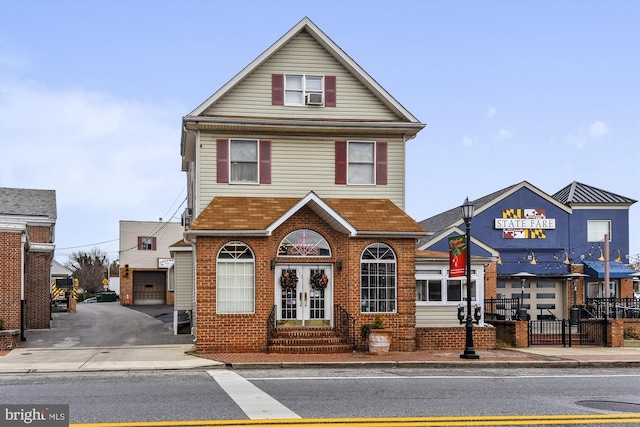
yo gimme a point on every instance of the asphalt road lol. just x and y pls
(345, 394)
(107, 324)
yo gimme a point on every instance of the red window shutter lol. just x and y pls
(265, 162)
(222, 160)
(381, 163)
(153, 243)
(329, 91)
(277, 89)
(139, 243)
(341, 162)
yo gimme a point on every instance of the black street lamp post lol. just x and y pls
(467, 214)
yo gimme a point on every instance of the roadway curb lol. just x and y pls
(559, 364)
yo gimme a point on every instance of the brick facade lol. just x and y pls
(454, 338)
(10, 276)
(247, 332)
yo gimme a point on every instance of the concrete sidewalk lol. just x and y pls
(102, 359)
(178, 356)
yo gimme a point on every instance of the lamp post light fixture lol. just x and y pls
(522, 312)
(467, 209)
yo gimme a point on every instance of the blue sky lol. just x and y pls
(92, 94)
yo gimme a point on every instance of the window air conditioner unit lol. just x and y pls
(314, 99)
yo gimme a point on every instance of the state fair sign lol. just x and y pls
(524, 224)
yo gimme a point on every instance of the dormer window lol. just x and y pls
(303, 90)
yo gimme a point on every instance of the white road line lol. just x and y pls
(254, 402)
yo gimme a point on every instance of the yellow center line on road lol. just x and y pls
(394, 422)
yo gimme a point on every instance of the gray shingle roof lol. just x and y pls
(28, 202)
(441, 222)
(578, 193)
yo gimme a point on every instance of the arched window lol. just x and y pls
(235, 281)
(302, 243)
(378, 279)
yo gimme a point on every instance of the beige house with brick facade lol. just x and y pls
(296, 194)
(27, 233)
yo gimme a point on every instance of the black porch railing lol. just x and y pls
(614, 308)
(501, 309)
(344, 325)
(271, 326)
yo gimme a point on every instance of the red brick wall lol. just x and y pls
(10, 273)
(454, 338)
(247, 332)
(515, 333)
(490, 280)
(37, 286)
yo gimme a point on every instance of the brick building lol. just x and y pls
(27, 224)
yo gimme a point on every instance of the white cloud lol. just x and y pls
(491, 112)
(466, 141)
(503, 134)
(598, 130)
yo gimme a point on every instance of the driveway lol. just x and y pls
(107, 324)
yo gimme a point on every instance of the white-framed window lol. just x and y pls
(303, 243)
(361, 162)
(596, 229)
(235, 279)
(378, 279)
(244, 160)
(300, 89)
(435, 287)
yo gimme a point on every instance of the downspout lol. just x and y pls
(23, 245)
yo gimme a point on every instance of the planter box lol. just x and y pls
(9, 339)
(631, 343)
(379, 341)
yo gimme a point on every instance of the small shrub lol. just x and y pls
(365, 329)
(631, 334)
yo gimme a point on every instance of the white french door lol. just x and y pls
(304, 294)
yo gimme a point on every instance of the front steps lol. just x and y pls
(310, 340)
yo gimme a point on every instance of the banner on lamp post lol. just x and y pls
(457, 255)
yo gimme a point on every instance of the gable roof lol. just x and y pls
(260, 216)
(452, 218)
(578, 193)
(359, 73)
(28, 202)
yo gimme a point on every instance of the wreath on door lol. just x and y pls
(289, 279)
(319, 280)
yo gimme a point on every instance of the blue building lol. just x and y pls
(525, 242)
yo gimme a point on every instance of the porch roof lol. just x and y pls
(259, 215)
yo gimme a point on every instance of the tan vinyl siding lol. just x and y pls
(436, 316)
(166, 234)
(300, 165)
(302, 55)
(184, 284)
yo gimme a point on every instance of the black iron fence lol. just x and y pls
(502, 309)
(592, 331)
(615, 308)
(548, 332)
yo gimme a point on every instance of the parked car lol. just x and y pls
(90, 300)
